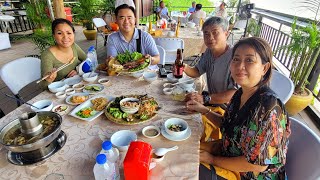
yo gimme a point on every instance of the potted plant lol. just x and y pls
(305, 50)
(86, 11)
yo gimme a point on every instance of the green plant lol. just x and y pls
(87, 10)
(253, 27)
(304, 49)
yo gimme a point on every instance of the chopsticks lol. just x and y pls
(173, 115)
(57, 70)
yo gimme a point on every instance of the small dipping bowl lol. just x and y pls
(61, 109)
(151, 131)
(104, 81)
(78, 87)
(137, 74)
(176, 121)
(60, 95)
(70, 91)
(150, 76)
(167, 91)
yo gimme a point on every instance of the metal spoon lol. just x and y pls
(22, 101)
(163, 151)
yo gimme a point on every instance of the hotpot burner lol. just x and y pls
(32, 157)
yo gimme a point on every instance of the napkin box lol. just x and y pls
(137, 161)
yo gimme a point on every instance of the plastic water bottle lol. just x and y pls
(92, 55)
(112, 156)
(101, 169)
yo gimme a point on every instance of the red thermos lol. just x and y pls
(137, 161)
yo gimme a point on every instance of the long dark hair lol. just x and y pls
(264, 50)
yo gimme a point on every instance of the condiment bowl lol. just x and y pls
(60, 95)
(90, 77)
(171, 78)
(151, 131)
(60, 109)
(78, 87)
(70, 91)
(167, 91)
(186, 84)
(150, 76)
(125, 105)
(57, 86)
(43, 105)
(122, 139)
(104, 81)
(176, 121)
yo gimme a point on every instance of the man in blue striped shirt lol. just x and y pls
(129, 38)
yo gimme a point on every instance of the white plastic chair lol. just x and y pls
(281, 85)
(20, 72)
(162, 53)
(303, 156)
(170, 45)
(99, 23)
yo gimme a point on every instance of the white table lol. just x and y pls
(5, 19)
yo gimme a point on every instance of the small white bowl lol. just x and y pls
(70, 91)
(150, 76)
(186, 84)
(61, 109)
(176, 121)
(122, 139)
(57, 86)
(151, 131)
(167, 91)
(92, 78)
(60, 95)
(171, 78)
(44, 105)
(137, 74)
(78, 87)
(104, 81)
(129, 110)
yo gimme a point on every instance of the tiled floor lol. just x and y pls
(24, 48)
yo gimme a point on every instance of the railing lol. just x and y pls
(275, 28)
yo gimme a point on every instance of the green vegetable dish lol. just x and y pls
(128, 57)
(86, 112)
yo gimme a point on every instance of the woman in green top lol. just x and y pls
(61, 53)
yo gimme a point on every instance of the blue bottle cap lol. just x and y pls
(91, 48)
(106, 145)
(101, 159)
(86, 66)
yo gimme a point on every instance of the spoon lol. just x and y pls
(163, 151)
(22, 101)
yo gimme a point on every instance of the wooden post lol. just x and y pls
(138, 5)
(58, 8)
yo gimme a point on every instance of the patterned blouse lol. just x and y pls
(259, 131)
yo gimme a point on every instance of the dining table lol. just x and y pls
(76, 159)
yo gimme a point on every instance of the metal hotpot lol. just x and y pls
(43, 142)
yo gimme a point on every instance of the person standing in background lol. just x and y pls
(198, 14)
(193, 8)
(221, 11)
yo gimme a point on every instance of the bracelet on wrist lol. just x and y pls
(206, 113)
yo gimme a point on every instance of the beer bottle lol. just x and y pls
(178, 65)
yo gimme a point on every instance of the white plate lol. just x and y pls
(93, 92)
(75, 94)
(176, 138)
(89, 104)
(61, 112)
(73, 80)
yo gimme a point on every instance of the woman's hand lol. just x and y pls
(52, 75)
(205, 157)
(194, 96)
(196, 106)
(72, 73)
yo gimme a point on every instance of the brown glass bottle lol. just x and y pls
(178, 65)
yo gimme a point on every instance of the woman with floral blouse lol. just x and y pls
(255, 127)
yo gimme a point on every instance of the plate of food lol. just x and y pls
(92, 108)
(93, 88)
(127, 63)
(77, 98)
(147, 107)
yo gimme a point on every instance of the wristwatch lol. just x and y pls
(206, 97)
